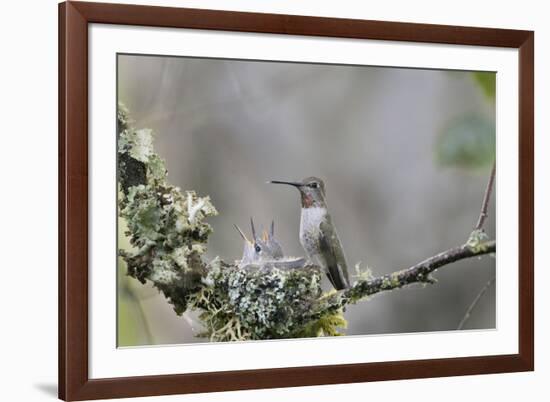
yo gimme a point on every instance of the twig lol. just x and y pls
(485, 205)
(474, 303)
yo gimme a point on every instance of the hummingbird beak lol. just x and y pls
(290, 183)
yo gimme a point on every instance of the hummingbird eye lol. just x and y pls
(314, 185)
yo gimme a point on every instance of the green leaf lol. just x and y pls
(487, 82)
(467, 142)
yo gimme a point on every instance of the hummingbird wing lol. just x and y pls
(332, 252)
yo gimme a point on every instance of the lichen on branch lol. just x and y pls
(166, 227)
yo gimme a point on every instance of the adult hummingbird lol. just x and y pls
(317, 233)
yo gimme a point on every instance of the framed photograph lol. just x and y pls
(259, 200)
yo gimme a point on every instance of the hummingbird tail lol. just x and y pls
(337, 278)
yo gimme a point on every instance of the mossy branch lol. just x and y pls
(168, 233)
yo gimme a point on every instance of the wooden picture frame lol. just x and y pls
(74, 381)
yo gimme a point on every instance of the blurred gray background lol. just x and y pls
(225, 127)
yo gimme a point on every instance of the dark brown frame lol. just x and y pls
(74, 17)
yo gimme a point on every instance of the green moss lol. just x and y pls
(330, 324)
(394, 280)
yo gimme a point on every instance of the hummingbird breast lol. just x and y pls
(310, 221)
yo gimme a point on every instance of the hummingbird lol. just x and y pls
(317, 233)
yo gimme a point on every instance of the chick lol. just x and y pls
(265, 251)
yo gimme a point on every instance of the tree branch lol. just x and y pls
(418, 273)
(485, 204)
